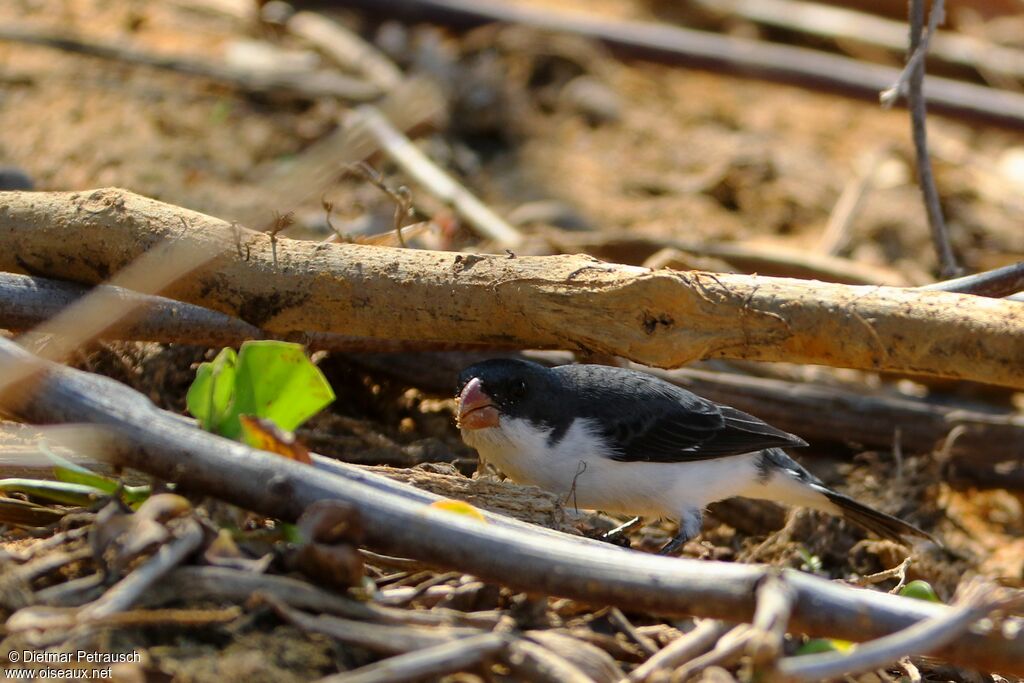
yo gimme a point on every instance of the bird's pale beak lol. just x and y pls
(476, 411)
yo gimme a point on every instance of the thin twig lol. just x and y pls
(538, 664)
(775, 599)
(996, 283)
(683, 649)
(897, 572)
(620, 622)
(387, 639)
(310, 84)
(431, 662)
(422, 170)
(131, 588)
(345, 48)
(913, 77)
(836, 236)
(917, 52)
(728, 648)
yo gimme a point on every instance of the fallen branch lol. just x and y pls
(146, 438)
(308, 84)
(660, 318)
(746, 57)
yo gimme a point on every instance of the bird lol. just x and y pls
(623, 441)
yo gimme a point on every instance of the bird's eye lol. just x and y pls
(518, 389)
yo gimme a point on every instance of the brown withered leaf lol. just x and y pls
(267, 436)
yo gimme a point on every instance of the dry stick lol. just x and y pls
(619, 620)
(222, 583)
(156, 442)
(537, 664)
(309, 84)
(922, 638)
(913, 77)
(26, 302)
(587, 657)
(345, 49)
(728, 648)
(867, 29)
(697, 48)
(131, 588)
(836, 236)
(433, 662)
(422, 170)
(660, 318)
(774, 605)
(683, 649)
(1000, 282)
(387, 639)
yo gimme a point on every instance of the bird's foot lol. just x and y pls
(675, 545)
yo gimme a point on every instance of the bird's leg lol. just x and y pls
(618, 532)
(690, 523)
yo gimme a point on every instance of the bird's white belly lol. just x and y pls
(580, 470)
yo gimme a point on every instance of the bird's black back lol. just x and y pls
(641, 417)
(650, 419)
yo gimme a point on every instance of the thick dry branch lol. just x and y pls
(660, 318)
(538, 562)
(746, 57)
(310, 84)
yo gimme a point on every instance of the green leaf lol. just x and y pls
(919, 590)
(277, 381)
(211, 397)
(57, 491)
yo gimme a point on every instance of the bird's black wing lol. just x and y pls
(646, 419)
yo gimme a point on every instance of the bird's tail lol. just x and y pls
(878, 523)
